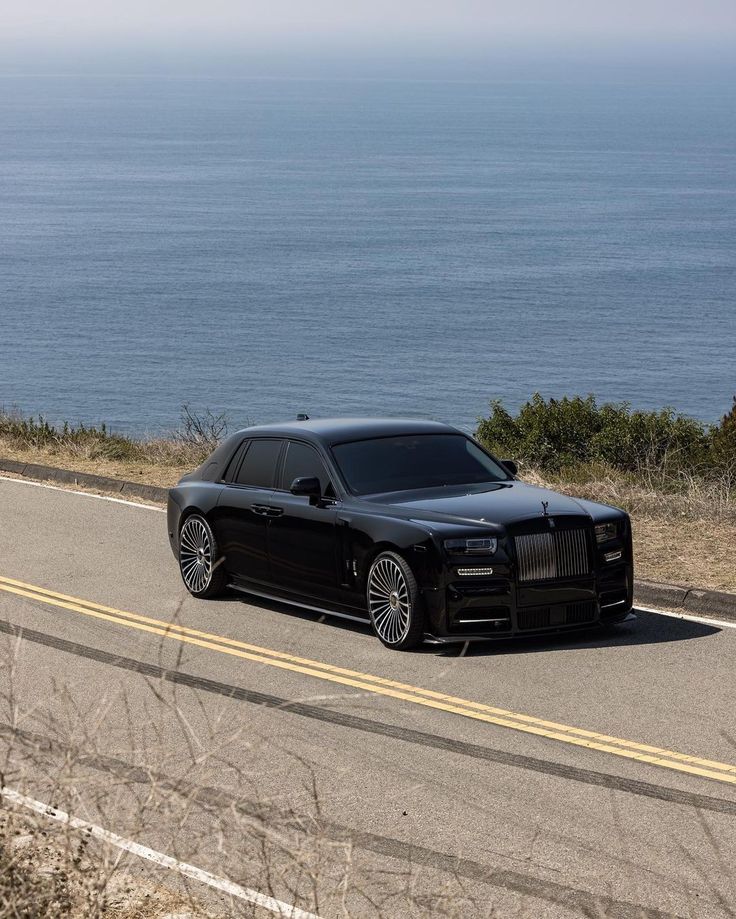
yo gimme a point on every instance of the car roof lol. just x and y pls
(343, 430)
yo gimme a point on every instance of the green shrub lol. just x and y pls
(556, 434)
(723, 443)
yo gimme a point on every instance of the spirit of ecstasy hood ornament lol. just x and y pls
(545, 505)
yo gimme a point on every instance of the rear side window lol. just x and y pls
(232, 466)
(302, 461)
(259, 464)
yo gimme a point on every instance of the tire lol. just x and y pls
(395, 604)
(203, 577)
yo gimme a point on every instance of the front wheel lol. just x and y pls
(395, 604)
(201, 570)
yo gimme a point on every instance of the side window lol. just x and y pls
(259, 465)
(235, 462)
(302, 461)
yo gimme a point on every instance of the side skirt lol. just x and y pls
(364, 620)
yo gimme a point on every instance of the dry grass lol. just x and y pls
(48, 872)
(700, 556)
(163, 466)
(156, 461)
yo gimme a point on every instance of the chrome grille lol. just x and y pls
(558, 554)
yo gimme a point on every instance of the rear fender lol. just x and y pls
(185, 499)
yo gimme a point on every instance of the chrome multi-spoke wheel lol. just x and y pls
(198, 558)
(394, 602)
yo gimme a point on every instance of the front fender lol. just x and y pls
(370, 535)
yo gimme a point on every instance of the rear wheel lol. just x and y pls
(199, 562)
(395, 604)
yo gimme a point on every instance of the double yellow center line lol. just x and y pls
(478, 711)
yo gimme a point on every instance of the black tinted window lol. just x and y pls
(421, 461)
(259, 465)
(235, 462)
(302, 461)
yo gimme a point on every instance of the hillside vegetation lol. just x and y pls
(157, 461)
(556, 435)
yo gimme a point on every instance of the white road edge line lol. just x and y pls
(721, 623)
(161, 510)
(84, 494)
(167, 861)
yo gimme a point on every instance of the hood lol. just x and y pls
(502, 503)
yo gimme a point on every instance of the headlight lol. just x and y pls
(485, 546)
(606, 531)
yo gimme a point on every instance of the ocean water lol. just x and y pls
(265, 248)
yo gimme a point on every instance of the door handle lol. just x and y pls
(261, 509)
(275, 511)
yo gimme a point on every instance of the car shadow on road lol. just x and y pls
(641, 628)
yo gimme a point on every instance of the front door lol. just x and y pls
(242, 512)
(302, 540)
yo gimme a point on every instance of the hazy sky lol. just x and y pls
(364, 37)
(295, 20)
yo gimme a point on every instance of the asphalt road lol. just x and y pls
(584, 776)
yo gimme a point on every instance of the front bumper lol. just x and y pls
(474, 607)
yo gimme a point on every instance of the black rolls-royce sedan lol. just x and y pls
(409, 525)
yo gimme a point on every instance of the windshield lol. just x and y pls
(415, 461)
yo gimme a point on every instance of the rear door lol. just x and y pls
(243, 509)
(302, 539)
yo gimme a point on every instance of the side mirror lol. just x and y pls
(511, 466)
(307, 485)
